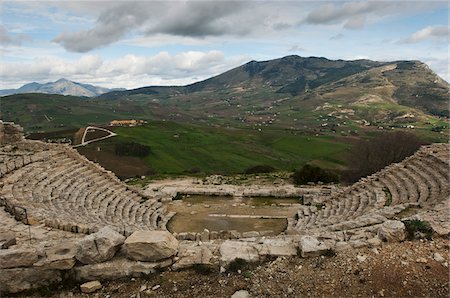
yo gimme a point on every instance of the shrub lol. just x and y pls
(203, 269)
(237, 264)
(178, 196)
(330, 253)
(259, 169)
(314, 174)
(417, 229)
(132, 149)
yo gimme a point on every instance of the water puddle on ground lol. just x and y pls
(216, 213)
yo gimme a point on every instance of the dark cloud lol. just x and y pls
(194, 19)
(199, 19)
(111, 25)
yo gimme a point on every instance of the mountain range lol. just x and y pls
(61, 86)
(301, 93)
(409, 83)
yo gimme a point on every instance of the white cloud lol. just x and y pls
(355, 15)
(7, 39)
(130, 71)
(437, 32)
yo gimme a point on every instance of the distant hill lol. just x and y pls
(61, 86)
(409, 83)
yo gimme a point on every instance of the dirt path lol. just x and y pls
(83, 138)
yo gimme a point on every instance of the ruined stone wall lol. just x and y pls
(10, 133)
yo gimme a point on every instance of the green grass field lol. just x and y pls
(181, 148)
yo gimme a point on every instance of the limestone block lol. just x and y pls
(21, 279)
(190, 255)
(118, 268)
(241, 294)
(392, 231)
(250, 234)
(11, 258)
(235, 234)
(60, 256)
(342, 245)
(90, 286)
(213, 235)
(231, 250)
(278, 247)
(99, 247)
(7, 239)
(151, 245)
(373, 242)
(311, 247)
(204, 236)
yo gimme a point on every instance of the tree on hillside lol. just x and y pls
(314, 174)
(370, 156)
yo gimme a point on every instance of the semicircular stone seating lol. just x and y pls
(420, 181)
(62, 189)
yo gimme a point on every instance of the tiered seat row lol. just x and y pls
(64, 190)
(421, 180)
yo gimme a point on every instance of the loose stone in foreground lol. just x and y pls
(151, 245)
(311, 247)
(392, 231)
(90, 286)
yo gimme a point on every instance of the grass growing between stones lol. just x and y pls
(388, 194)
(417, 229)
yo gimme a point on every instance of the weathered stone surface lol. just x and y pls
(234, 234)
(374, 241)
(60, 256)
(11, 258)
(392, 231)
(204, 236)
(231, 250)
(438, 257)
(277, 247)
(213, 235)
(241, 294)
(99, 247)
(118, 268)
(151, 245)
(192, 254)
(311, 247)
(250, 234)
(90, 286)
(7, 239)
(342, 245)
(21, 279)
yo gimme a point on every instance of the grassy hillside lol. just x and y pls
(181, 148)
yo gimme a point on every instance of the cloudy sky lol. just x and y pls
(133, 44)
